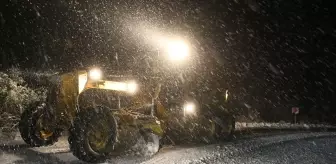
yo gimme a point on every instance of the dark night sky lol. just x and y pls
(278, 51)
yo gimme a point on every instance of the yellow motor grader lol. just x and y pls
(103, 117)
(106, 114)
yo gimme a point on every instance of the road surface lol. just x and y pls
(317, 147)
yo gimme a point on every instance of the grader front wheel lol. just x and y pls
(93, 134)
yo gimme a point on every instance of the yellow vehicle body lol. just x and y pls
(66, 98)
(75, 92)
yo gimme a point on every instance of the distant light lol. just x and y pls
(189, 108)
(177, 50)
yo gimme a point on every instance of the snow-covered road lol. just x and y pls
(317, 147)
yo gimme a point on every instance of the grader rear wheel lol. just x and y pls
(93, 134)
(32, 129)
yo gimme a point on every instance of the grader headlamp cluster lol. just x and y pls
(129, 87)
(93, 79)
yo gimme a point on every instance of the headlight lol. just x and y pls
(129, 87)
(95, 74)
(132, 87)
(189, 108)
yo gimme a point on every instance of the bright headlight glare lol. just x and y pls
(132, 87)
(95, 74)
(129, 87)
(189, 108)
(177, 50)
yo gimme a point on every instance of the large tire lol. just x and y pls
(29, 130)
(87, 121)
(224, 128)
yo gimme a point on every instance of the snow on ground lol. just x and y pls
(230, 152)
(240, 126)
(266, 125)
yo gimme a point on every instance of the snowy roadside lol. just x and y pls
(240, 126)
(232, 151)
(266, 125)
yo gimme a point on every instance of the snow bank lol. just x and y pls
(267, 125)
(15, 96)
